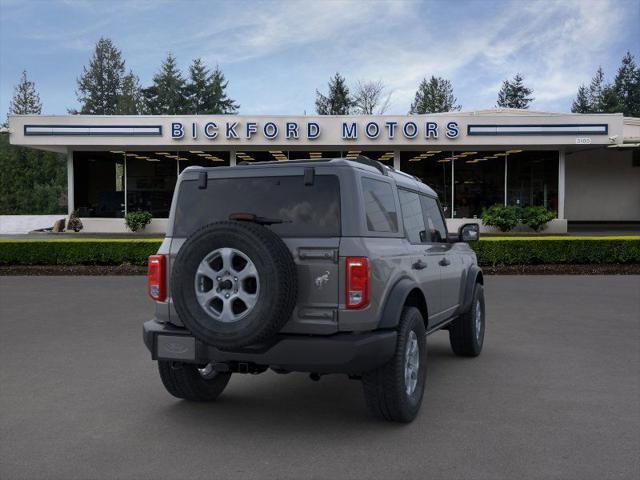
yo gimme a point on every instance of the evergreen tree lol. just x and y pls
(130, 101)
(99, 86)
(206, 91)
(25, 99)
(627, 86)
(338, 101)
(196, 89)
(434, 95)
(596, 91)
(581, 104)
(167, 95)
(32, 182)
(218, 100)
(514, 94)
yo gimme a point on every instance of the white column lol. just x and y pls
(125, 186)
(506, 164)
(232, 158)
(396, 159)
(561, 177)
(71, 204)
(453, 183)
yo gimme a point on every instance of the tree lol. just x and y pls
(627, 86)
(581, 104)
(219, 102)
(370, 98)
(100, 85)
(514, 94)
(167, 95)
(130, 101)
(25, 99)
(31, 181)
(206, 92)
(596, 91)
(196, 89)
(434, 95)
(337, 101)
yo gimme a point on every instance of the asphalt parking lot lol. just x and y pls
(555, 394)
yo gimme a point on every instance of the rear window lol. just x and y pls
(307, 210)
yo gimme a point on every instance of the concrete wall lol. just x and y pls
(602, 185)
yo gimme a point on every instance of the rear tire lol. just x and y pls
(184, 380)
(387, 390)
(466, 333)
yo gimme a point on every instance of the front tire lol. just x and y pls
(187, 381)
(466, 333)
(394, 391)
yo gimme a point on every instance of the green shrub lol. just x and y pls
(77, 252)
(507, 217)
(137, 220)
(503, 217)
(536, 217)
(576, 250)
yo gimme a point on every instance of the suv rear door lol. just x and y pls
(309, 216)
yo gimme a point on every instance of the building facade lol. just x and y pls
(583, 167)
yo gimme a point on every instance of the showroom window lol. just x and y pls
(469, 181)
(110, 184)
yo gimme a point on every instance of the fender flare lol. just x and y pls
(474, 275)
(395, 303)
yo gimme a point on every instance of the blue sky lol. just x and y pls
(276, 53)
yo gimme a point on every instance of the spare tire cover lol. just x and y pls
(234, 284)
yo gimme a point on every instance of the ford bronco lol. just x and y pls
(319, 266)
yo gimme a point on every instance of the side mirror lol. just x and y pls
(469, 232)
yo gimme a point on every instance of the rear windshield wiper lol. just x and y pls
(252, 217)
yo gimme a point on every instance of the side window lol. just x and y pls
(380, 206)
(412, 216)
(436, 229)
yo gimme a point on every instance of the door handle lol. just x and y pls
(444, 262)
(419, 265)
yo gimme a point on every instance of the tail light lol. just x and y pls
(357, 287)
(156, 278)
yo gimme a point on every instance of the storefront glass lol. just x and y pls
(532, 179)
(100, 181)
(478, 182)
(479, 178)
(99, 184)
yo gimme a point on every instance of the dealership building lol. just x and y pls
(586, 168)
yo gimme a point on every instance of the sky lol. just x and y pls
(275, 54)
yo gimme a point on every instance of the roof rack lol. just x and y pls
(372, 163)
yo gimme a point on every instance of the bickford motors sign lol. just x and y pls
(310, 130)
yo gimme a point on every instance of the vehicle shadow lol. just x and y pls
(292, 403)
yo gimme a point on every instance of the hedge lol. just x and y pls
(496, 251)
(490, 250)
(77, 252)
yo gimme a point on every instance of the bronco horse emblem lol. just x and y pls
(322, 279)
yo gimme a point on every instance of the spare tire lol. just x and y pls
(234, 284)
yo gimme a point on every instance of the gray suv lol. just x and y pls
(319, 266)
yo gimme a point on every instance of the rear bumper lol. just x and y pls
(340, 353)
